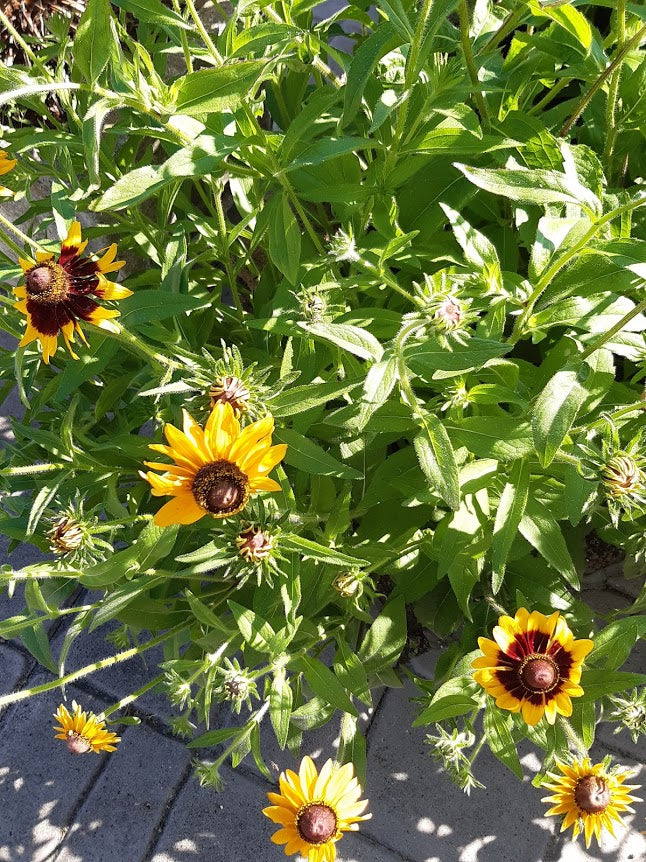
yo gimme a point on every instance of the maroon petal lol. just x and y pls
(81, 306)
(48, 318)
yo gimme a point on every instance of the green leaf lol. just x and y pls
(147, 305)
(212, 91)
(352, 746)
(384, 39)
(497, 727)
(280, 706)
(542, 532)
(613, 645)
(385, 639)
(455, 697)
(94, 39)
(298, 399)
(508, 515)
(597, 683)
(478, 250)
(324, 683)
(540, 187)
(35, 640)
(253, 628)
(310, 457)
(204, 614)
(355, 340)
(437, 460)
(377, 386)
(568, 17)
(284, 238)
(120, 597)
(154, 12)
(318, 152)
(556, 409)
(292, 542)
(503, 437)
(431, 356)
(352, 673)
(213, 737)
(205, 155)
(91, 135)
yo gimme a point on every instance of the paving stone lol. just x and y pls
(204, 826)
(630, 586)
(121, 814)
(418, 812)
(12, 666)
(40, 781)
(606, 730)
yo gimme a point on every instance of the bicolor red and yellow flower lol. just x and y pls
(590, 798)
(58, 294)
(314, 809)
(533, 665)
(83, 731)
(217, 468)
(6, 165)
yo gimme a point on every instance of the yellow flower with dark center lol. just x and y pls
(533, 665)
(315, 809)
(58, 294)
(6, 165)
(83, 731)
(217, 468)
(590, 797)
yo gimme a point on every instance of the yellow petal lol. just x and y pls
(180, 510)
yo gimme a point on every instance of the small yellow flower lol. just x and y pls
(533, 665)
(315, 809)
(217, 468)
(57, 294)
(83, 731)
(590, 797)
(6, 165)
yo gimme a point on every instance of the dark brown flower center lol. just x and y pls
(316, 823)
(592, 794)
(76, 743)
(221, 488)
(47, 283)
(539, 673)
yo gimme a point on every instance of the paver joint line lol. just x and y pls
(166, 811)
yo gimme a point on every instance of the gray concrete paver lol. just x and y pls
(120, 816)
(13, 665)
(205, 826)
(418, 812)
(40, 781)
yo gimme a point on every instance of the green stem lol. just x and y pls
(613, 330)
(385, 276)
(465, 40)
(316, 61)
(135, 345)
(222, 225)
(32, 469)
(130, 697)
(594, 89)
(563, 260)
(20, 41)
(15, 696)
(617, 414)
(613, 90)
(184, 40)
(416, 43)
(204, 33)
(23, 236)
(573, 738)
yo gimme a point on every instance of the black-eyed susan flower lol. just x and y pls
(83, 731)
(533, 665)
(589, 797)
(217, 468)
(58, 294)
(6, 165)
(315, 809)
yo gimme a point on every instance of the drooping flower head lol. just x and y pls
(83, 731)
(533, 665)
(315, 809)
(217, 468)
(6, 165)
(589, 797)
(58, 294)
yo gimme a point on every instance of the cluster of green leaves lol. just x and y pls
(429, 252)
